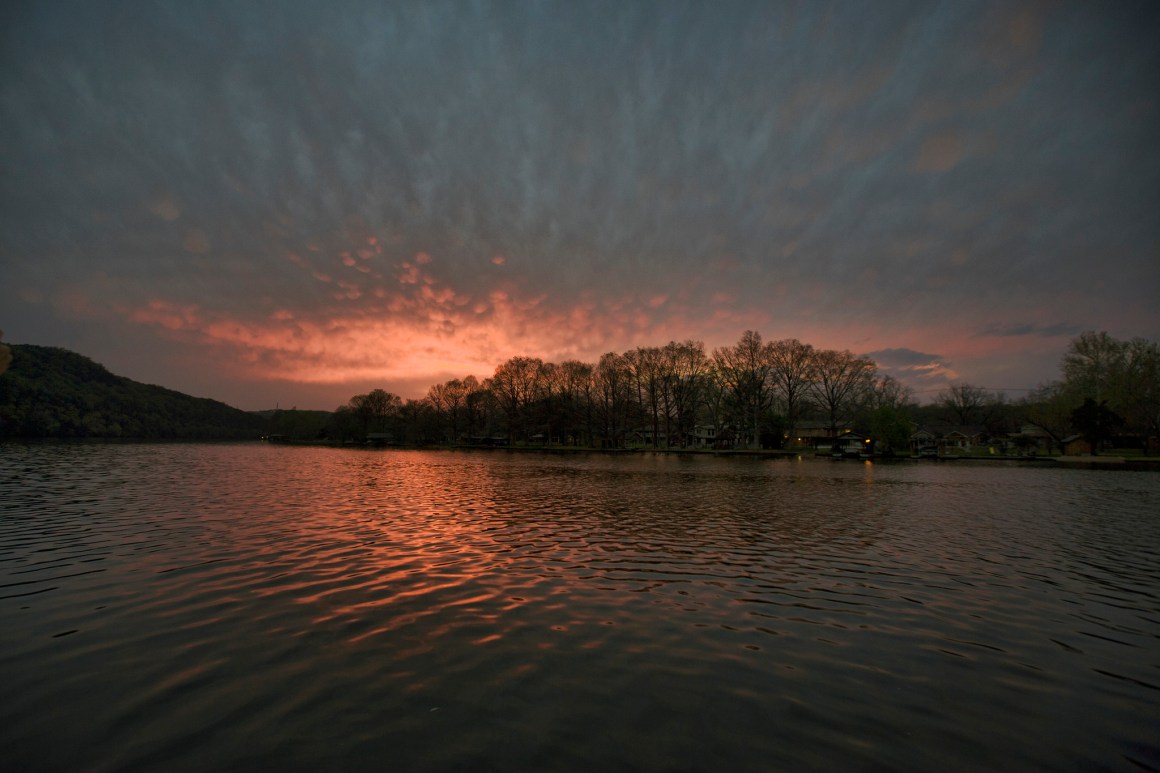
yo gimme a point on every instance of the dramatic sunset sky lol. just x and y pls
(294, 202)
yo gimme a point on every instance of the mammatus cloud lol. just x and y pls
(431, 331)
(310, 195)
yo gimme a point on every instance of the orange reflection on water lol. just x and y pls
(393, 544)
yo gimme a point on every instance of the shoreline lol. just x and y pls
(1109, 462)
(1074, 462)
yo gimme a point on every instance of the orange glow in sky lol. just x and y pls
(390, 196)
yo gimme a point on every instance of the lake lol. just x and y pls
(257, 607)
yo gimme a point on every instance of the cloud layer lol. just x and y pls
(251, 200)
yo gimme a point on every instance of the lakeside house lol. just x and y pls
(947, 438)
(848, 444)
(702, 436)
(1031, 439)
(815, 434)
(923, 441)
(1076, 445)
(964, 438)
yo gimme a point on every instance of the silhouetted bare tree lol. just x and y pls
(792, 364)
(840, 384)
(743, 370)
(516, 385)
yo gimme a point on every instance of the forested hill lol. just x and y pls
(52, 392)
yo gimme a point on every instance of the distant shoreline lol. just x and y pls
(1077, 462)
(1109, 462)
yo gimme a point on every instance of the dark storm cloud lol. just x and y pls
(903, 358)
(913, 367)
(795, 164)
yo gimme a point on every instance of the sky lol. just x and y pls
(289, 203)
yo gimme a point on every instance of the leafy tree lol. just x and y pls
(1140, 401)
(1049, 409)
(889, 426)
(1096, 421)
(1093, 365)
(1123, 375)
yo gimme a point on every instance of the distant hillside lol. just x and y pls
(52, 392)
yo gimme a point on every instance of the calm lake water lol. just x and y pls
(254, 607)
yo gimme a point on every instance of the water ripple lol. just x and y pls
(257, 606)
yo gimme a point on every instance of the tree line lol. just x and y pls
(1107, 388)
(754, 394)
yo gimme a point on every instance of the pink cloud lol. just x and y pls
(402, 334)
(409, 274)
(420, 329)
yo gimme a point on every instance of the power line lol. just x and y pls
(985, 389)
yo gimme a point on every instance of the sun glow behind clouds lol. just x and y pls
(371, 311)
(400, 324)
(338, 349)
(387, 318)
(430, 333)
(498, 180)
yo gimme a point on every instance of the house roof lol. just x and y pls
(946, 430)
